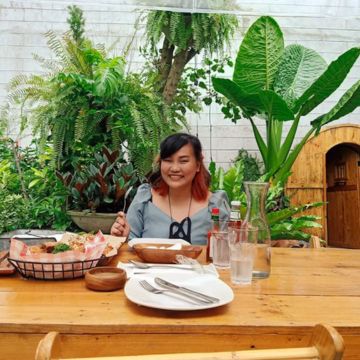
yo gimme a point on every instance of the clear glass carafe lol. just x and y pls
(255, 215)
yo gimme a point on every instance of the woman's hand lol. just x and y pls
(120, 227)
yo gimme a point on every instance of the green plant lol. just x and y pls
(283, 224)
(182, 36)
(252, 165)
(284, 84)
(13, 209)
(230, 181)
(37, 201)
(101, 184)
(194, 87)
(86, 96)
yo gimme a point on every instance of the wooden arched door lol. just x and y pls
(343, 196)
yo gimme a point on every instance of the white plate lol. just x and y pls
(134, 241)
(207, 284)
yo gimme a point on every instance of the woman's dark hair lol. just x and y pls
(170, 146)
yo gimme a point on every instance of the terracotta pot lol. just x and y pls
(88, 221)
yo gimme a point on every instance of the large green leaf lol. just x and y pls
(347, 104)
(298, 69)
(236, 94)
(265, 101)
(274, 106)
(328, 82)
(259, 56)
(291, 234)
(260, 141)
(283, 214)
(299, 223)
(284, 171)
(274, 133)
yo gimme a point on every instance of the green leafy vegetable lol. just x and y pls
(61, 247)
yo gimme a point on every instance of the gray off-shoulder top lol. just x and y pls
(148, 221)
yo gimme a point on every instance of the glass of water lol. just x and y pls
(242, 245)
(220, 244)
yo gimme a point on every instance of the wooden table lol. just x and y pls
(306, 286)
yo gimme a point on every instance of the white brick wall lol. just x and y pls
(328, 26)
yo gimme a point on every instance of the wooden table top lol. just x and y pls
(306, 286)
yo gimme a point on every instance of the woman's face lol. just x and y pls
(179, 170)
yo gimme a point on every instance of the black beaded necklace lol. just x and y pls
(177, 230)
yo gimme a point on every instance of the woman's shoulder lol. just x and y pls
(218, 196)
(143, 193)
(219, 199)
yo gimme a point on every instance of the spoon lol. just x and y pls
(141, 265)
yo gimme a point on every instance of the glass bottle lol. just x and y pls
(255, 215)
(235, 215)
(215, 216)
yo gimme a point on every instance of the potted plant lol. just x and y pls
(98, 189)
(86, 97)
(280, 215)
(280, 84)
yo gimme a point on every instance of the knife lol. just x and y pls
(168, 285)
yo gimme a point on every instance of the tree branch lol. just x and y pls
(177, 68)
(166, 58)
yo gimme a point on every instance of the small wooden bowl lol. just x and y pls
(158, 253)
(105, 278)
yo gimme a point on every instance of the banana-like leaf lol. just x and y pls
(285, 169)
(282, 226)
(305, 224)
(309, 217)
(298, 69)
(237, 95)
(347, 104)
(295, 224)
(283, 214)
(273, 144)
(260, 142)
(264, 101)
(328, 82)
(259, 56)
(274, 106)
(287, 144)
(289, 235)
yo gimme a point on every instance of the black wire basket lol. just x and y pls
(53, 271)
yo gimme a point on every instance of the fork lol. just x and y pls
(148, 287)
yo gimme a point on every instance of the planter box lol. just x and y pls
(88, 221)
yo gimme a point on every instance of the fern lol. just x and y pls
(48, 64)
(201, 31)
(86, 100)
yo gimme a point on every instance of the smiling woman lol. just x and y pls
(177, 203)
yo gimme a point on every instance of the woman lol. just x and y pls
(177, 203)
